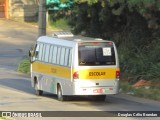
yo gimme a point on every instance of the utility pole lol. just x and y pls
(42, 18)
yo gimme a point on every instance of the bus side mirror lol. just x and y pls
(31, 53)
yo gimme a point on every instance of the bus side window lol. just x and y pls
(66, 57)
(54, 54)
(36, 52)
(62, 56)
(58, 54)
(46, 53)
(40, 52)
(50, 54)
(70, 57)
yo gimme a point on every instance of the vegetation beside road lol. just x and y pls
(4, 118)
(134, 25)
(24, 66)
(150, 92)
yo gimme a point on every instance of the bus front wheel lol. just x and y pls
(38, 92)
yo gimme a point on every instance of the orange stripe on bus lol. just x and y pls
(106, 73)
(51, 69)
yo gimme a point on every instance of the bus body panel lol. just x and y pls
(94, 87)
(92, 80)
(50, 69)
(49, 83)
(97, 73)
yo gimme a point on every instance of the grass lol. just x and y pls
(59, 24)
(144, 92)
(5, 118)
(24, 66)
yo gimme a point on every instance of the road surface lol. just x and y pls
(16, 93)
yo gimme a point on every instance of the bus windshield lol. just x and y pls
(95, 54)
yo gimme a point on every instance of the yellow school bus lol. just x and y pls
(74, 66)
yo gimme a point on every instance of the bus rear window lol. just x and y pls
(96, 54)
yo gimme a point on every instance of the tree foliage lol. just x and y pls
(149, 9)
(133, 24)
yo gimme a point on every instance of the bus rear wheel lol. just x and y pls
(60, 95)
(38, 92)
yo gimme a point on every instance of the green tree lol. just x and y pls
(132, 24)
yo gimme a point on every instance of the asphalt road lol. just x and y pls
(16, 93)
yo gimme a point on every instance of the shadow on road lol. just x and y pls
(24, 85)
(112, 102)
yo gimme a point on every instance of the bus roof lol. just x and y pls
(68, 41)
(57, 41)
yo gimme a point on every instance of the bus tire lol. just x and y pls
(60, 95)
(38, 92)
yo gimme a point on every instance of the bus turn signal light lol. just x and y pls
(117, 74)
(76, 75)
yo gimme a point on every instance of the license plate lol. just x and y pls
(100, 90)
